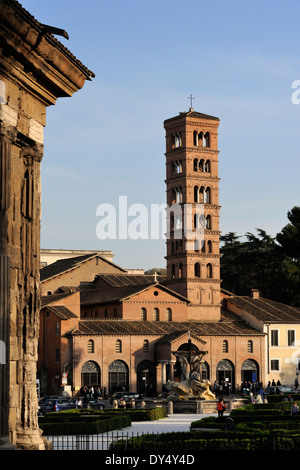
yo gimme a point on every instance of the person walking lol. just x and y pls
(221, 407)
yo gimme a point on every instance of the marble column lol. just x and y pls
(4, 286)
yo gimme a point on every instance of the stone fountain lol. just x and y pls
(191, 385)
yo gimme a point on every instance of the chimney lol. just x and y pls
(255, 293)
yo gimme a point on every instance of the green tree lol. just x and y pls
(289, 237)
(252, 263)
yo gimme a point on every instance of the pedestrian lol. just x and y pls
(296, 383)
(251, 399)
(78, 403)
(295, 409)
(220, 407)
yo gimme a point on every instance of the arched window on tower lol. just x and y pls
(197, 269)
(180, 270)
(208, 222)
(209, 271)
(173, 271)
(206, 140)
(209, 246)
(177, 167)
(201, 165)
(195, 137)
(207, 166)
(178, 195)
(196, 194)
(176, 140)
(207, 196)
(200, 139)
(201, 195)
(195, 164)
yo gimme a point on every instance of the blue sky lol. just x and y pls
(238, 59)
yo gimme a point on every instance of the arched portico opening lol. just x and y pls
(118, 377)
(250, 371)
(146, 378)
(225, 373)
(90, 374)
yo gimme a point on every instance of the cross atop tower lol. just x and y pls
(191, 98)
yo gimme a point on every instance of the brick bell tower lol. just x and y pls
(193, 238)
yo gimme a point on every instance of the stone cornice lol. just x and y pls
(45, 67)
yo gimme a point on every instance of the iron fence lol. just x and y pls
(123, 441)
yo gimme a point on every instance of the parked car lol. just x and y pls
(58, 404)
(281, 389)
(43, 400)
(127, 396)
(90, 403)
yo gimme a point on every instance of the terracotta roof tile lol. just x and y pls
(227, 326)
(267, 310)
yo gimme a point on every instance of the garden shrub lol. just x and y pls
(72, 426)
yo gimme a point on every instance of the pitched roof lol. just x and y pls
(61, 311)
(193, 114)
(63, 265)
(49, 299)
(174, 335)
(229, 325)
(267, 310)
(117, 294)
(124, 279)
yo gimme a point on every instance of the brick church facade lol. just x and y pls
(103, 326)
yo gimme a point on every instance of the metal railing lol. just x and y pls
(125, 442)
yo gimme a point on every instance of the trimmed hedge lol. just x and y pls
(197, 441)
(150, 414)
(76, 422)
(257, 427)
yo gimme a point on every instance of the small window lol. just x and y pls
(169, 314)
(208, 222)
(118, 346)
(209, 272)
(250, 346)
(145, 346)
(57, 328)
(180, 270)
(57, 355)
(143, 314)
(225, 346)
(173, 271)
(274, 338)
(155, 314)
(197, 269)
(291, 337)
(90, 346)
(275, 364)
